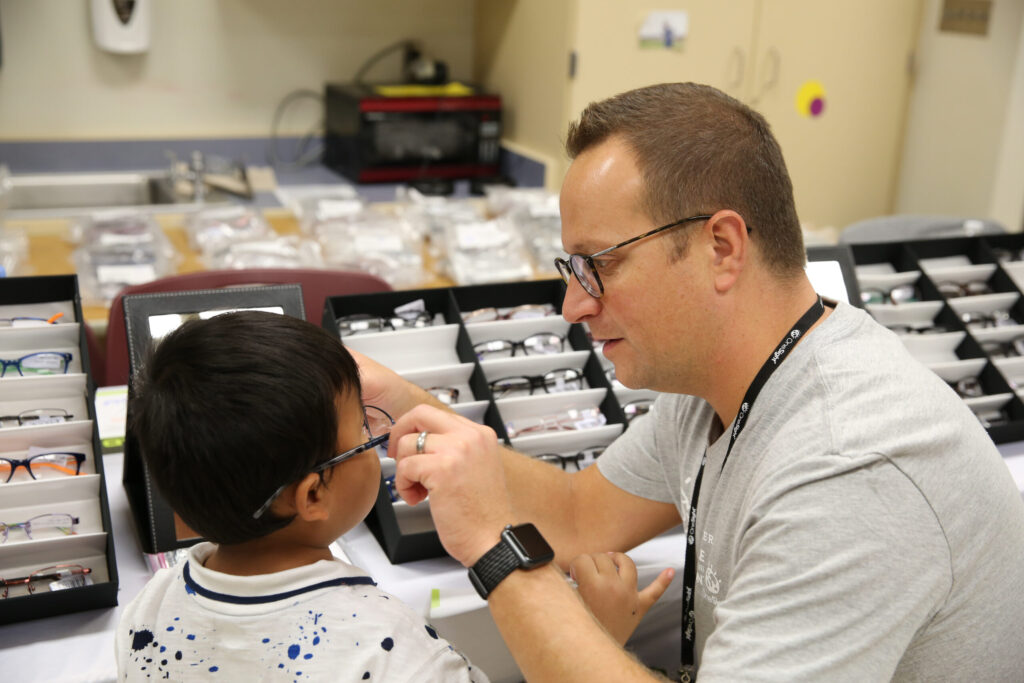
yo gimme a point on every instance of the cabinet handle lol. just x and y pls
(773, 64)
(737, 59)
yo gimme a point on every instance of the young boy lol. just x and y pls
(241, 419)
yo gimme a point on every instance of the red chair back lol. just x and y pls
(317, 285)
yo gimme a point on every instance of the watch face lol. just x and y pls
(530, 545)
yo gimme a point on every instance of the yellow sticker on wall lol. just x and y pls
(810, 99)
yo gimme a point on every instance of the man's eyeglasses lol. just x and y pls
(40, 363)
(62, 522)
(562, 379)
(36, 416)
(63, 575)
(376, 424)
(582, 266)
(536, 344)
(42, 464)
(29, 321)
(362, 323)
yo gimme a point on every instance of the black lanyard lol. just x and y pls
(808, 319)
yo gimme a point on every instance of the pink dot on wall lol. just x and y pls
(817, 106)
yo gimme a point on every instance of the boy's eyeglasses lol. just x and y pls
(62, 522)
(536, 344)
(562, 379)
(362, 323)
(902, 294)
(375, 420)
(582, 266)
(36, 416)
(29, 321)
(43, 464)
(58, 572)
(39, 363)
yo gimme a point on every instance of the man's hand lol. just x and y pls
(460, 469)
(607, 582)
(386, 389)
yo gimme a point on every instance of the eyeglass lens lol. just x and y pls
(42, 363)
(490, 313)
(536, 344)
(361, 323)
(953, 290)
(562, 379)
(897, 295)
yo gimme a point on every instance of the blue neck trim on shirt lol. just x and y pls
(258, 599)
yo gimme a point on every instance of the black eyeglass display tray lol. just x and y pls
(160, 530)
(953, 280)
(407, 534)
(83, 496)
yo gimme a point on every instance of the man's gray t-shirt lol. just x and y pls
(863, 528)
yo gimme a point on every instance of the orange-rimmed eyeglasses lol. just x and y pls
(42, 464)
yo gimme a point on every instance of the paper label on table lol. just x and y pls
(131, 274)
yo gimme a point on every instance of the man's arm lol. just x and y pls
(582, 512)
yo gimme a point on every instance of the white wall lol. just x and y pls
(215, 68)
(958, 119)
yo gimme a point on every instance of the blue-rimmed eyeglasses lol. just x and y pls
(375, 420)
(43, 464)
(585, 270)
(39, 363)
(29, 321)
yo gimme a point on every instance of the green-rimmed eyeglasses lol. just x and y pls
(376, 424)
(583, 266)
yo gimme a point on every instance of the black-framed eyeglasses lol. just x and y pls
(911, 329)
(536, 344)
(374, 419)
(582, 266)
(562, 379)
(42, 464)
(39, 363)
(1004, 349)
(901, 294)
(575, 460)
(36, 416)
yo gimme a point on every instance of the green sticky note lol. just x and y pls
(435, 598)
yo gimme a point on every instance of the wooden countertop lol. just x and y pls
(49, 251)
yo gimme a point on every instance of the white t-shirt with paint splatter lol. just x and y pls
(321, 622)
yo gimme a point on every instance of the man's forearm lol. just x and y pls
(551, 634)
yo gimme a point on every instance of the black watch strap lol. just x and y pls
(492, 568)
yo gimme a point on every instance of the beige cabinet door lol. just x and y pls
(610, 60)
(844, 163)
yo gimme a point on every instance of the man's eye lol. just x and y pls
(603, 265)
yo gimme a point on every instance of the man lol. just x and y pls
(848, 518)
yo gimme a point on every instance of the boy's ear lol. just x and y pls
(309, 498)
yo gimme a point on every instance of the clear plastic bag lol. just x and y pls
(13, 252)
(117, 249)
(486, 251)
(384, 245)
(210, 230)
(280, 252)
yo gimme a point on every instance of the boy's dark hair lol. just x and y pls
(700, 151)
(228, 409)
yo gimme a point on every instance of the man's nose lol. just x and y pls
(577, 305)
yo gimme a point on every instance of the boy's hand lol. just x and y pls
(460, 468)
(607, 582)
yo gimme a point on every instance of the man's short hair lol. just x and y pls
(701, 151)
(228, 409)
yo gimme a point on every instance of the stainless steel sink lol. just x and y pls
(62, 194)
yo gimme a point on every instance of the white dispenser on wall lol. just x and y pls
(121, 26)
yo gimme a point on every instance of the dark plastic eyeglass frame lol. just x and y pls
(23, 416)
(336, 460)
(16, 363)
(521, 344)
(540, 380)
(571, 267)
(27, 463)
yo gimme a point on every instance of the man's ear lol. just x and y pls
(309, 498)
(731, 244)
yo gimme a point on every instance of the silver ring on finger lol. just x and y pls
(421, 441)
